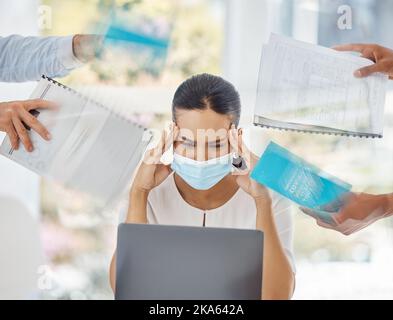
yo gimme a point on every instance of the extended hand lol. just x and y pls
(383, 58)
(13, 116)
(87, 46)
(355, 212)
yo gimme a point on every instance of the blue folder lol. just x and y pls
(298, 180)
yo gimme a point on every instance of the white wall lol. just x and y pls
(246, 28)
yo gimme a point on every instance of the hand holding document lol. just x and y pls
(305, 87)
(16, 118)
(92, 149)
(383, 58)
(352, 212)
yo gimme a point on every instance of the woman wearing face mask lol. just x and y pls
(206, 185)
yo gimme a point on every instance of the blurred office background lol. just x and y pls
(56, 244)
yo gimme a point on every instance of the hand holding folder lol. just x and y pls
(92, 149)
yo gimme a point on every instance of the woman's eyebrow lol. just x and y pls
(219, 140)
(185, 139)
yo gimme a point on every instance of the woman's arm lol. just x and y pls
(278, 278)
(137, 213)
(150, 174)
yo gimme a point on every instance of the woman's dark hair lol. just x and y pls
(205, 91)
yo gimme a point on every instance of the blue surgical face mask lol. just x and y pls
(202, 175)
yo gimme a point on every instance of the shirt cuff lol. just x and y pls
(65, 53)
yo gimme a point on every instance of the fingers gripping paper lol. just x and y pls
(309, 88)
(92, 149)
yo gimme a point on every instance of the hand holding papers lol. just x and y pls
(353, 212)
(310, 88)
(92, 149)
(383, 58)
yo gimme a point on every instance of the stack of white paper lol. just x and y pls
(310, 88)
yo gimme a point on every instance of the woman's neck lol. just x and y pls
(209, 199)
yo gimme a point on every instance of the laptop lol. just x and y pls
(162, 262)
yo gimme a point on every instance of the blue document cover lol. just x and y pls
(297, 180)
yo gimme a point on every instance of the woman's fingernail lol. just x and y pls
(48, 136)
(358, 74)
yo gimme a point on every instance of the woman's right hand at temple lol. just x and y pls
(152, 172)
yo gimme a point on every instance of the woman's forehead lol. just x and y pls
(199, 120)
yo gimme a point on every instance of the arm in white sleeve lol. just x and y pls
(27, 58)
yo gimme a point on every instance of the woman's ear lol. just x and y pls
(240, 131)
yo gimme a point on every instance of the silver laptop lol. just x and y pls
(175, 262)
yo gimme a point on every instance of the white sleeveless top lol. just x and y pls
(166, 206)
